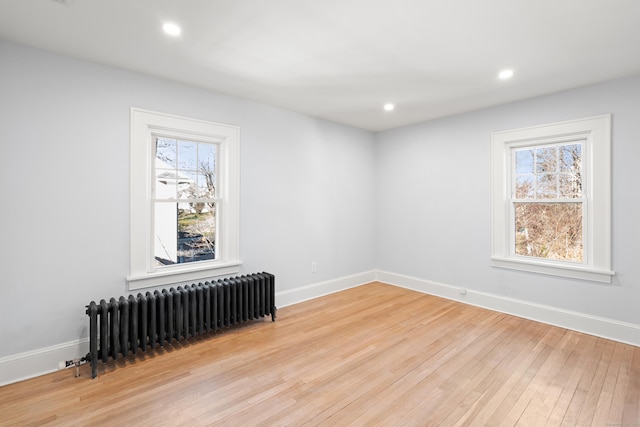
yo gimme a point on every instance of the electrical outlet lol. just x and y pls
(462, 291)
(314, 267)
(61, 365)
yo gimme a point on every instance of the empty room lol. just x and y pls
(294, 212)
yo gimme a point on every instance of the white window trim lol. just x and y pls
(596, 132)
(144, 125)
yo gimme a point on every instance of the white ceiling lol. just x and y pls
(343, 59)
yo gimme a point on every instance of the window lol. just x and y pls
(184, 199)
(551, 199)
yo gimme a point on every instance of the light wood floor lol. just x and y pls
(372, 355)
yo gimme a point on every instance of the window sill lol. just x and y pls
(562, 270)
(182, 274)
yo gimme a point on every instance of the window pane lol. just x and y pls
(184, 233)
(207, 157)
(549, 230)
(570, 181)
(571, 158)
(196, 234)
(165, 184)
(165, 233)
(569, 186)
(206, 185)
(165, 153)
(546, 186)
(546, 160)
(187, 185)
(187, 155)
(524, 161)
(525, 186)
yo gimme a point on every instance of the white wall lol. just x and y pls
(410, 205)
(434, 221)
(306, 192)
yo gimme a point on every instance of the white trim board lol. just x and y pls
(623, 332)
(317, 290)
(31, 364)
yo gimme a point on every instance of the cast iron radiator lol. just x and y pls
(129, 325)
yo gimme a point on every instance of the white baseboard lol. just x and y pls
(627, 333)
(316, 290)
(45, 360)
(38, 362)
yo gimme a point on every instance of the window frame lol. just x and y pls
(145, 127)
(596, 134)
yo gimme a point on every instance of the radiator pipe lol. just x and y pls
(76, 363)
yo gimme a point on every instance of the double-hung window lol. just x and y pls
(184, 199)
(551, 199)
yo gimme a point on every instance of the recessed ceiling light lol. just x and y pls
(171, 29)
(505, 74)
(389, 107)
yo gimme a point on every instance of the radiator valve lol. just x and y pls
(74, 362)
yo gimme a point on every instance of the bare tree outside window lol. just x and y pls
(548, 201)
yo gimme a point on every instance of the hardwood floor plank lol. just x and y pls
(531, 381)
(588, 410)
(605, 396)
(479, 377)
(494, 397)
(570, 377)
(546, 386)
(507, 373)
(616, 411)
(631, 413)
(371, 355)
